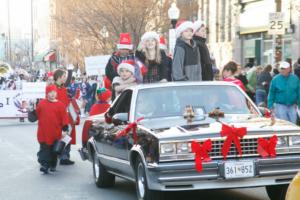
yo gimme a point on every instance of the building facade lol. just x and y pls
(238, 30)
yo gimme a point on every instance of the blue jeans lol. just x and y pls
(285, 112)
(260, 96)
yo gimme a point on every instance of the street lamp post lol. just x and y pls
(173, 14)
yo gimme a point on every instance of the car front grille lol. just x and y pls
(248, 145)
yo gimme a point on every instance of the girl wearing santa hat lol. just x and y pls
(186, 61)
(126, 77)
(152, 61)
(200, 39)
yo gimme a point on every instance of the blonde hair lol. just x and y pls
(146, 51)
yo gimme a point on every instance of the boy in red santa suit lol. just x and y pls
(52, 120)
(104, 96)
(60, 78)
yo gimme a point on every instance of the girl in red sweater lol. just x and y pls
(53, 119)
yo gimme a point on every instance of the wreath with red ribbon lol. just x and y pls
(132, 126)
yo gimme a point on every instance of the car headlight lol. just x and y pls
(282, 142)
(294, 141)
(183, 147)
(167, 148)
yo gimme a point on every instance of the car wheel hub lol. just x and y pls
(96, 167)
(141, 180)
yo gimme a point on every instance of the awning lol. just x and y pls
(40, 57)
(50, 57)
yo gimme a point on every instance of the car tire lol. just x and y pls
(142, 190)
(101, 176)
(277, 192)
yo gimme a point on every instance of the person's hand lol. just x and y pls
(64, 133)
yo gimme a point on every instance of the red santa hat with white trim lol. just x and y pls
(127, 64)
(125, 41)
(162, 43)
(183, 25)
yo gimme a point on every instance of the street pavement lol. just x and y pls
(20, 177)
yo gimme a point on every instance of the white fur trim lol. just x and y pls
(125, 46)
(197, 24)
(182, 27)
(127, 66)
(150, 35)
(163, 46)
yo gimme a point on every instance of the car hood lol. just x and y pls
(177, 127)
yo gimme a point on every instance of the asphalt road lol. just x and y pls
(20, 177)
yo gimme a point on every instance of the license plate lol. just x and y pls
(239, 169)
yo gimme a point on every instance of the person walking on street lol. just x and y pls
(263, 84)
(200, 39)
(52, 120)
(296, 67)
(154, 62)
(61, 81)
(186, 61)
(284, 94)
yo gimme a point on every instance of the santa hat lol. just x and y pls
(127, 64)
(162, 43)
(51, 88)
(150, 35)
(182, 25)
(106, 82)
(198, 24)
(103, 94)
(125, 41)
(49, 74)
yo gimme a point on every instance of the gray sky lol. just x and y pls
(19, 16)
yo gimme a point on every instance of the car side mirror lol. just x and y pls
(120, 119)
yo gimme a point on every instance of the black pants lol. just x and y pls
(46, 156)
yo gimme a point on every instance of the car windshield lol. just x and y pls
(172, 101)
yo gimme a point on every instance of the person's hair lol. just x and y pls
(267, 68)
(157, 58)
(298, 61)
(58, 74)
(231, 66)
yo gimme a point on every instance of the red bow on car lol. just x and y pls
(201, 153)
(132, 126)
(233, 134)
(266, 147)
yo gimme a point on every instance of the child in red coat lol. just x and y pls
(104, 96)
(53, 119)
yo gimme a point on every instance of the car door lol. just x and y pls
(116, 150)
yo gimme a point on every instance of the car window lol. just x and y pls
(122, 104)
(171, 101)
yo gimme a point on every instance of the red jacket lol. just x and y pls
(52, 117)
(99, 108)
(235, 81)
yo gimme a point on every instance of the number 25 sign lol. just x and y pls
(276, 23)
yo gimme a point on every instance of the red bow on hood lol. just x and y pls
(233, 134)
(132, 126)
(201, 152)
(266, 147)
